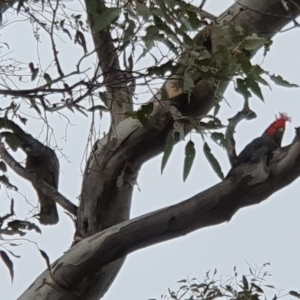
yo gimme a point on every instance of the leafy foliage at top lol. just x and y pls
(163, 31)
(253, 286)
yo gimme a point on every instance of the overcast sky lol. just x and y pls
(268, 232)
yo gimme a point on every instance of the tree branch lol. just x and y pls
(247, 185)
(54, 50)
(245, 113)
(116, 81)
(103, 203)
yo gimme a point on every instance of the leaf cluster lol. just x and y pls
(230, 59)
(253, 286)
(11, 228)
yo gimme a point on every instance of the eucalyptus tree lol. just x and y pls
(185, 57)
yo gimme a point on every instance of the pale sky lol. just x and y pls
(267, 232)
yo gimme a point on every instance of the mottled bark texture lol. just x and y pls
(86, 270)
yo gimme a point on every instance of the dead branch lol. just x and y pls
(245, 113)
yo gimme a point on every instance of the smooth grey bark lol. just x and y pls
(77, 274)
(248, 184)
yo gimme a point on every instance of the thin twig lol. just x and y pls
(52, 39)
(245, 113)
(202, 4)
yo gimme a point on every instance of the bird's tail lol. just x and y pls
(48, 212)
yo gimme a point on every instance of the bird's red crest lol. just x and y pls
(279, 123)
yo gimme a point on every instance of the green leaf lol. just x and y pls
(244, 61)
(168, 150)
(216, 108)
(169, 33)
(204, 69)
(34, 106)
(239, 31)
(105, 19)
(185, 23)
(281, 82)
(5, 181)
(162, 69)
(253, 42)
(182, 281)
(187, 40)
(214, 123)
(9, 264)
(169, 44)
(188, 82)
(241, 88)
(258, 289)
(67, 32)
(129, 32)
(23, 120)
(212, 160)
(219, 138)
(143, 11)
(190, 153)
(262, 81)
(270, 286)
(18, 225)
(193, 20)
(103, 97)
(222, 56)
(34, 74)
(98, 107)
(254, 87)
(151, 35)
(46, 258)
(147, 109)
(257, 70)
(295, 294)
(245, 283)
